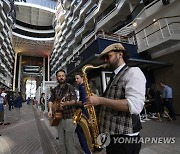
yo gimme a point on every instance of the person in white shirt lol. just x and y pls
(1, 107)
(122, 102)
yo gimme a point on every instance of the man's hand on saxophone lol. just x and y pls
(92, 100)
(119, 104)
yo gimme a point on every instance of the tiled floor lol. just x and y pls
(29, 135)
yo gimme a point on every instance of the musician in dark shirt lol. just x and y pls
(82, 100)
(66, 129)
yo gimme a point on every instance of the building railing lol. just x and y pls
(99, 34)
(47, 3)
(158, 30)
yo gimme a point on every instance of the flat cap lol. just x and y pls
(112, 47)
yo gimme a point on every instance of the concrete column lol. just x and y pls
(43, 83)
(19, 73)
(48, 68)
(14, 77)
(43, 74)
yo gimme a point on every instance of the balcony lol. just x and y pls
(10, 20)
(89, 20)
(77, 8)
(1, 5)
(63, 26)
(3, 15)
(57, 28)
(6, 6)
(66, 4)
(159, 35)
(1, 37)
(1, 24)
(86, 6)
(71, 43)
(70, 35)
(46, 3)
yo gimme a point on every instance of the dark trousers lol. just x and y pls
(10, 106)
(123, 144)
(169, 105)
(82, 139)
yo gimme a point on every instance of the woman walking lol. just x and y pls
(42, 104)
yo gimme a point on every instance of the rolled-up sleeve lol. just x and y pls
(52, 98)
(135, 88)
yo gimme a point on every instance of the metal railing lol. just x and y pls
(46, 3)
(104, 35)
(158, 30)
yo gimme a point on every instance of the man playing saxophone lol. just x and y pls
(121, 102)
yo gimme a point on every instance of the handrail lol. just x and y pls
(100, 34)
(160, 29)
(156, 21)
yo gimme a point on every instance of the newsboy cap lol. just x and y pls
(113, 47)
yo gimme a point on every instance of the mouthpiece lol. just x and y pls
(104, 65)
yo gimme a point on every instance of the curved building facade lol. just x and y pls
(33, 37)
(149, 29)
(7, 16)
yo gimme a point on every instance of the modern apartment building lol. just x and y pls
(26, 41)
(33, 37)
(149, 30)
(7, 16)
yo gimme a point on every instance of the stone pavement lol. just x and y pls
(27, 135)
(30, 135)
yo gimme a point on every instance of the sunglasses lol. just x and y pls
(108, 56)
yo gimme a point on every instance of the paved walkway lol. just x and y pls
(30, 135)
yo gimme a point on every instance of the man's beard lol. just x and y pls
(112, 66)
(61, 81)
(109, 68)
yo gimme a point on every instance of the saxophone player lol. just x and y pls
(121, 102)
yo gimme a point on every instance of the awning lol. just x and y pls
(91, 53)
(142, 63)
(147, 64)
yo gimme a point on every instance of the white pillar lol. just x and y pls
(48, 68)
(14, 77)
(43, 75)
(43, 83)
(19, 73)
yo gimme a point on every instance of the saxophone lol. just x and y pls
(89, 126)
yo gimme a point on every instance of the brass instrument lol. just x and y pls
(89, 126)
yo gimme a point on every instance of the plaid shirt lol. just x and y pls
(68, 92)
(114, 121)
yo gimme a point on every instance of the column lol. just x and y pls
(48, 68)
(19, 73)
(14, 76)
(43, 83)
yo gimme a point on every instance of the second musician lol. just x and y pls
(66, 129)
